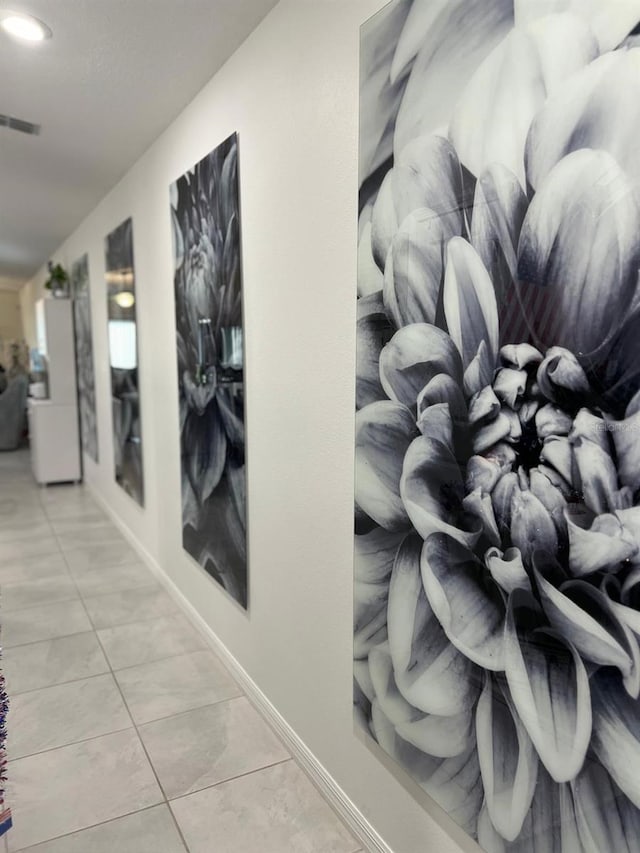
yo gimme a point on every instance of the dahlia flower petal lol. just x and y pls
(444, 389)
(501, 498)
(531, 525)
(478, 504)
(551, 420)
(558, 453)
(470, 306)
(430, 672)
(583, 616)
(609, 20)
(379, 95)
(630, 519)
(507, 569)
(370, 278)
(606, 820)
(456, 42)
(549, 687)
(421, 20)
(509, 87)
(362, 678)
(414, 269)
(413, 356)
(232, 423)
(585, 199)
(616, 731)
(552, 500)
(432, 490)
(625, 436)
(628, 615)
(602, 546)
(508, 760)
(393, 705)
(594, 109)
(370, 634)
(456, 786)
(561, 377)
(592, 428)
(633, 407)
(384, 431)
(499, 207)
(484, 406)
(373, 331)
(384, 221)
(520, 356)
(435, 422)
(598, 475)
(469, 608)
(417, 764)
(509, 385)
(482, 473)
(492, 433)
(442, 737)
(427, 174)
(375, 553)
(205, 437)
(478, 372)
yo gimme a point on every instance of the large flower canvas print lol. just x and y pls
(123, 355)
(497, 567)
(81, 295)
(209, 328)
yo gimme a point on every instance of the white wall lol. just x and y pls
(291, 92)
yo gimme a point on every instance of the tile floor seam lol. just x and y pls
(67, 558)
(232, 778)
(144, 748)
(133, 725)
(93, 825)
(60, 683)
(134, 622)
(69, 743)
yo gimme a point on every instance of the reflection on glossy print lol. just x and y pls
(123, 354)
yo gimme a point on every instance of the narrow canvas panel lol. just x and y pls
(80, 292)
(123, 354)
(209, 329)
(497, 568)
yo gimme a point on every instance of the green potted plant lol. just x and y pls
(58, 281)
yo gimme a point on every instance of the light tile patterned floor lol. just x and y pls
(126, 732)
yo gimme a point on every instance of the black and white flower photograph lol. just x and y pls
(81, 295)
(497, 520)
(123, 355)
(209, 328)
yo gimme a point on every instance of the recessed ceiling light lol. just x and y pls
(124, 299)
(24, 27)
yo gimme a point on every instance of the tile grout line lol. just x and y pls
(70, 743)
(134, 725)
(126, 706)
(166, 801)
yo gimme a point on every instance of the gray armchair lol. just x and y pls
(13, 405)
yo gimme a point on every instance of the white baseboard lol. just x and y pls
(348, 812)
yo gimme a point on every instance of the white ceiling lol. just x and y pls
(114, 75)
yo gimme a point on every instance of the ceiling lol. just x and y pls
(113, 77)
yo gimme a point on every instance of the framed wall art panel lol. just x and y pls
(497, 567)
(209, 329)
(81, 295)
(123, 355)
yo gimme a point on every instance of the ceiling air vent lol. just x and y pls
(19, 124)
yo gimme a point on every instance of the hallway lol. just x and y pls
(126, 732)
